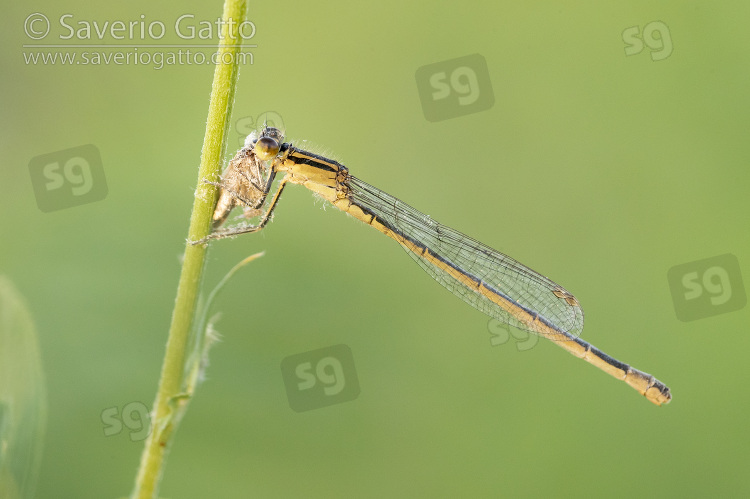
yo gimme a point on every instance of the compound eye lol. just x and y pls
(250, 139)
(266, 148)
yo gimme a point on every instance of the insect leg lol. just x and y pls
(246, 229)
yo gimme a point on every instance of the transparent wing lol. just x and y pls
(461, 254)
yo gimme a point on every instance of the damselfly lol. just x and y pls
(484, 278)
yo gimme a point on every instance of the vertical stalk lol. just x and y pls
(170, 400)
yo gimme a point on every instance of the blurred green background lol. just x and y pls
(598, 169)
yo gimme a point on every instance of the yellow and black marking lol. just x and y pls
(331, 180)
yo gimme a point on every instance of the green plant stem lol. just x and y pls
(169, 397)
